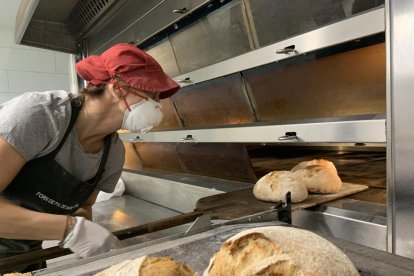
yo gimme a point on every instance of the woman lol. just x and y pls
(58, 151)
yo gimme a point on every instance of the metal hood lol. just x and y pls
(58, 25)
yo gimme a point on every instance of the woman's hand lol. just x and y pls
(88, 238)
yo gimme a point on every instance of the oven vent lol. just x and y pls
(86, 13)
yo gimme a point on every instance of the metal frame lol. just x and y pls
(400, 134)
(24, 15)
(366, 130)
(368, 23)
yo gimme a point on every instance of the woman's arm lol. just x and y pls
(17, 222)
(86, 209)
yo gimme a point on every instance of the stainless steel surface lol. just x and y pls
(24, 14)
(46, 24)
(223, 160)
(164, 54)
(196, 250)
(202, 223)
(357, 227)
(343, 80)
(117, 26)
(400, 135)
(220, 35)
(353, 28)
(86, 14)
(168, 193)
(138, 21)
(309, 131)
(225, 95)
(275, 20)
(128, 211)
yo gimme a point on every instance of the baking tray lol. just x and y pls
(195, 251)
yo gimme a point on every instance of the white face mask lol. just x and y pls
(143, 116)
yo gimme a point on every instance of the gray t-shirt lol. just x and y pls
(34, 123)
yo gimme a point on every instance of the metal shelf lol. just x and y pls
(342, 130)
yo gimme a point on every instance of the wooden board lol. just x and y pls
(242, 202)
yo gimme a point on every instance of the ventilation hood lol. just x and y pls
(58, 25)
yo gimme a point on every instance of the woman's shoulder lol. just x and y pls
(116, 144)
(46, 98)
(38, 120)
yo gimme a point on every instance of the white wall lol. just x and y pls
(25, 68)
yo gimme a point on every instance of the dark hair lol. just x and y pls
(90, 90)
(93, 90)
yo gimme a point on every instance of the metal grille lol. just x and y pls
(86, 13)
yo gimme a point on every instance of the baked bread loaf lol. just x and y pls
(274, 186)
(18, 274)
(319, 176)
(279, 250)
(148, 266)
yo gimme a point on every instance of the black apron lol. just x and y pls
(43, 185)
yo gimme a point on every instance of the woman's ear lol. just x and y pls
(116, 91)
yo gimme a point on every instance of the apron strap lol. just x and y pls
(76, 107)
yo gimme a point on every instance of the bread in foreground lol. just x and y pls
(274, 186)
(18, 274)
(148, 266)
(279, 250)
(319, 176)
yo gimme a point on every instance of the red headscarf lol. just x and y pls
(130, 64)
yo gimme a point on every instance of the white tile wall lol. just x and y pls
(4, 81)
(24, 68)
(27, 60)
(62, 63)
(22, 81)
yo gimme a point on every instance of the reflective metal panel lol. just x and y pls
(171, 194)
(170, 118)
(137, 21)
(356, 227)
(274, 20)
(400, 112)
(229, 161)
(352, 29)
(164, 54)
(316, 85)
(159, 156)
(218, 102)
(219, 36)
(117, 27)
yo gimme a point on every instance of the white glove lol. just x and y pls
(88, 238)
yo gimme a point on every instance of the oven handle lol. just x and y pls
(289, 136)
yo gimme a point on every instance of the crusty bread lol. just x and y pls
(279, 250)
(319, 176)
(148, 266)
(274, 186)
(18, 274)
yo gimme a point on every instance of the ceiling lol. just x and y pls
(8, 12)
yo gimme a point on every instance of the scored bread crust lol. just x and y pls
(279, 250)
(274, 186)
(148, 266)
(319, 176)
(18, 274)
